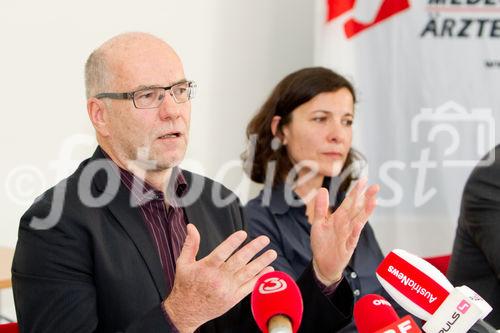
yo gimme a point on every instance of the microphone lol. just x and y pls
(277, 303)
(422, 290)
(373, 313)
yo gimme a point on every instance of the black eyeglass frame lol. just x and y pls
(130, 94)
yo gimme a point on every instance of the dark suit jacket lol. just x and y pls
(96, 269)
(475, 260)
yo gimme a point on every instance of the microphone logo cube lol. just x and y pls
(463, 306)
(456, 314)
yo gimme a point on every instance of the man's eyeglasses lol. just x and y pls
(152, 97)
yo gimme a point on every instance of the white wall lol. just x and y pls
(236, 51)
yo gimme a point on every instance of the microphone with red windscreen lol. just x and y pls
(373, 313)
(277, 303)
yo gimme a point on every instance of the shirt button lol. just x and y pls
(354, 275)
(356, 292)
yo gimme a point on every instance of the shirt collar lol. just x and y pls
(281, 194)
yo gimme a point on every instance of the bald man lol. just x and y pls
(132, 243)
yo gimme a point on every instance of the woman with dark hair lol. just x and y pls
(300, 140)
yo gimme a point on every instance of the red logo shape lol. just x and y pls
(353, 27)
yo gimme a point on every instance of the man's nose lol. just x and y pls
(169, 108)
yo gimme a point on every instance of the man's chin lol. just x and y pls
(166, 160)
(168, 163)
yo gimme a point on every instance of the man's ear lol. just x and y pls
(98, 114)
(277, 133)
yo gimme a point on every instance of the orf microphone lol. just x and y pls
(424, 291)
(277, 303)
(373, 313)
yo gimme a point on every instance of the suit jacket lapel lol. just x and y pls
(132, 222)
(201, 216)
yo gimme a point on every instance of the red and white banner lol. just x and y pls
(427, 74)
